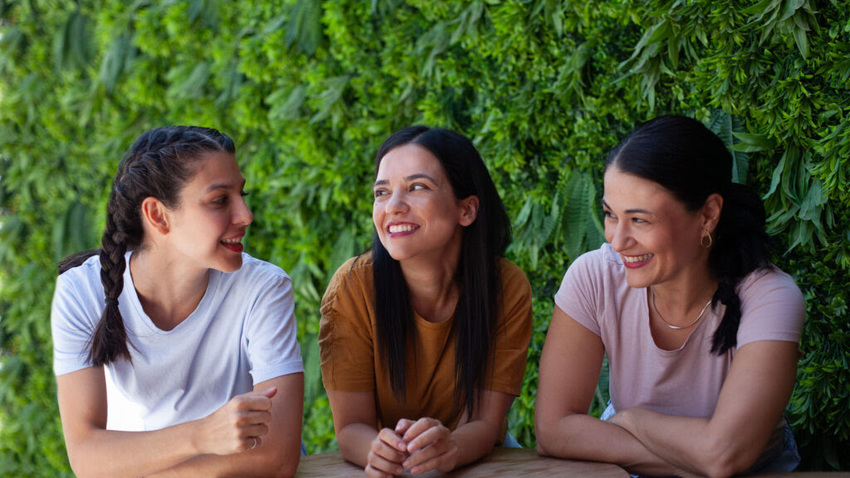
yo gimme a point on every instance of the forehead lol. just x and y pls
(628, 191)
(215, 169)
(410, 159)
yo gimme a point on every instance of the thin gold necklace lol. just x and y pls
(668, 324)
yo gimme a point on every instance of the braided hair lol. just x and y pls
(691, 162)
(158, 165)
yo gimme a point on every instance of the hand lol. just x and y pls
(387, 452)
(624, 419)
(430, 444)
(237, 426)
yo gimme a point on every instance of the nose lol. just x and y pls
(242, 215)
(618, 235)
(397, 203)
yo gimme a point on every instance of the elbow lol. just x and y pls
(547, 437)
(723, 460)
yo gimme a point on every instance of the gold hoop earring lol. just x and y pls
(706, 244)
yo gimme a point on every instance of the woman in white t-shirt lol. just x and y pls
(175, 352)
(700, 330)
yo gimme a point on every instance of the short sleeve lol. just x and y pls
(73, 316)
(271, 332)
(514, 332)
(346, 329)
(576, 296)
(772, 308)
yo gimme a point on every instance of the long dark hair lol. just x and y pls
(691, 162)
(484, 242)
(158, 165)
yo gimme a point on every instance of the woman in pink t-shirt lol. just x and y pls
(700, 330)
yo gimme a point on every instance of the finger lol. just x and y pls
(255, 431)
(392, 440)
(429, 436)
(382, 465)
(403, 425)
(268, 393)
(419, 427)
(442, 461)
(375, 473)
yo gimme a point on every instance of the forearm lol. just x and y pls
(354, 442)
(692, 444)
(107, 453)
(475, 440)
(582, 437)
(253, 463)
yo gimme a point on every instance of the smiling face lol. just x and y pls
(415, 211)
(208, 226)
(656, 236)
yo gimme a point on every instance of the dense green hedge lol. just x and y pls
(309, 89)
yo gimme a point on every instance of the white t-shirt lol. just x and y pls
(686, 381)
(242, 333)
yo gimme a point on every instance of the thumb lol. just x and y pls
(268, 393)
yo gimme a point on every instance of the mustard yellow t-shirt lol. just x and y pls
(352, 361)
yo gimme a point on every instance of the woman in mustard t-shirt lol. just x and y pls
(424, 339)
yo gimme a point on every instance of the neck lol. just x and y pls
(168, 290)
(433, 290)
(679, 302)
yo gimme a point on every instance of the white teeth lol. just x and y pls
(232, 241)
(642, 258)
(401, 228)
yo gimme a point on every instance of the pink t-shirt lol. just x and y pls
(683, 382)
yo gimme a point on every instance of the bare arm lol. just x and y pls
(569, 371)
(278, 451)
(755, 393)
(95, 451)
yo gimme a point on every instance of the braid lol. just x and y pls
(742, 246)
(158, 166)
(109, 340)
(726, 335)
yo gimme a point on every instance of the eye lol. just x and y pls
(418, 187)
(243, 193)
(608, 214)
(379, 192)
(638, 220)
(221, 200)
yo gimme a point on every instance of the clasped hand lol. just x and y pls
(237, 426)
(419, 446)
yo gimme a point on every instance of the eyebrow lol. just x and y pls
(412, 177)
(628, 211)
(216, 186)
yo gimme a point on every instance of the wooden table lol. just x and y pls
(520, 462)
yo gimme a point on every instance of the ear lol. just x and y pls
(155, 216)
(711, 211)
(468, 210)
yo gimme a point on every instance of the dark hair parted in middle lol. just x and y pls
(484, 242)
(691, 162)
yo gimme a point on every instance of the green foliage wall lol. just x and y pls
(309, 89)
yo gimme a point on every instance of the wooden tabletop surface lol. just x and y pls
(521, 462)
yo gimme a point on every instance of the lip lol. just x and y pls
(401, 229)
(233, 243)
(636, 261)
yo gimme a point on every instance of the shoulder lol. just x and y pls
(772, 307)
(255, 269)
(512, 275)
(353, 277)
(593, 267)
(82, 277)
(767, 282)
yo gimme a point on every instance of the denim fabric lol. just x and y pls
(510, 441)
(303, 449)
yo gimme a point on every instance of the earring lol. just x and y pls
(706, 243)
